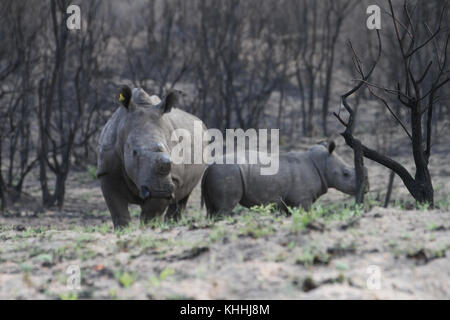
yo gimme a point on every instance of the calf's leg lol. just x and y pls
(224, 189)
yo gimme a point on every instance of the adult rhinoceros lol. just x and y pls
(134, 157)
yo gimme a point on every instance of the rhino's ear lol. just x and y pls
(169, 102)
(331, 146)
(125, 96)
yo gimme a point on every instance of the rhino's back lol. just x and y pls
(107, 141)
(261, 188)
(292, 181)
(183, 120)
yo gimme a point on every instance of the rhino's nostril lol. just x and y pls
(144, 193)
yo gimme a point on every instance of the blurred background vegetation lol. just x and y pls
(241, 64)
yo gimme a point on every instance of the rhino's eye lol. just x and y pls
(135, 153)
(346, 174)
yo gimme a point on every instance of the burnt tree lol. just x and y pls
(418, 100)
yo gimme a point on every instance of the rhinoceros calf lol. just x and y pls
(134, 163)
(301, 179)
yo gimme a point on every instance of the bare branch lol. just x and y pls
(390, 110)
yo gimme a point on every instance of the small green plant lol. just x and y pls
(92, 171)
(217, 234)
(196, 217)
(103, 229)
(32, 232)
(372, 201)
(125, 279)
(98, 213)
(406, 236)
(351, 212)
(83, 239)
(280, 257)
(264, 210)
(341, 266)
(126, 230)
(25, 267)
(439, 252)
(300, 220)
(444, 204)
(166, 272)
(256, 229)
(150, 242)
(423, 206)
(155, 281)
(400, 204)
(69, 296)
(112, 294)
(159, 223)
(45, 258)
(432, 226)
(313, 255)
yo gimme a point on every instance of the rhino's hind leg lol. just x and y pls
(221, 210)
(174, 210)
(223, 190)
(284, 207)
(114, 193)
(305, 204)
(151, 209)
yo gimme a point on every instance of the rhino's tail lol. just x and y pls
(204, 197)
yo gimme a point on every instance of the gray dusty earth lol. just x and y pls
(332, 252)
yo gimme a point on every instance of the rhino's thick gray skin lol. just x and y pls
(134, 164)
(302, 178)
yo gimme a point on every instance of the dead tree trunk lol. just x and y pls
(389, 189)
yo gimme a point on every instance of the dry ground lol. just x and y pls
(324, 254)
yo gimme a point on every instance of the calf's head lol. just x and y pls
(336, 172)
(146, 154)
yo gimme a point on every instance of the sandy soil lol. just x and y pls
(333, 252)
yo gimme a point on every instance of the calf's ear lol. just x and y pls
(331, 146)
(169, 102)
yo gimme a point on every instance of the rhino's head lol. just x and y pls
(146, 153)
(336, 173)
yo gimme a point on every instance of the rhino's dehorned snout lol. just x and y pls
(164, 165)
(168, 194)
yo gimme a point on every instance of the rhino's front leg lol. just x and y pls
(114, 192)
(152, 208)
(175, 209)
